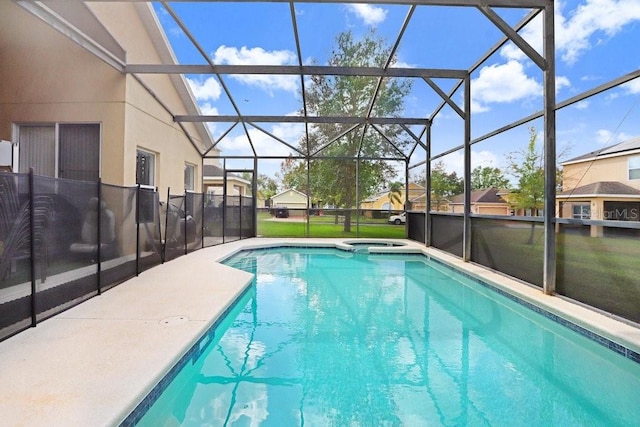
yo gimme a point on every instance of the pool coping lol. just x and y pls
(95, 363)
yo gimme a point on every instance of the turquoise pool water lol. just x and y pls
(333, 338)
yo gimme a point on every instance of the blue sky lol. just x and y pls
(596, 41)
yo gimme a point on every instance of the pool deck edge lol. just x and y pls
(94, 363)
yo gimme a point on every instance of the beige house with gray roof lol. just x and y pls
(602, 185)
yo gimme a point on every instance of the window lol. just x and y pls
(189, 177)
(70, 151)
(145, 168)
(634, 167)
(581, 211)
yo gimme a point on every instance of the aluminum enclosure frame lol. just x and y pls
(545, 61)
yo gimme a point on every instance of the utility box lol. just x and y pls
(6, 156)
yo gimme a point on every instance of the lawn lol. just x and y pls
(600, 271)
(325, 226)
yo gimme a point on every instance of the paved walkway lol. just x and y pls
(91, 365)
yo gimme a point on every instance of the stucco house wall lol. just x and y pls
(290, 198)
(48, 78)
(601, 169)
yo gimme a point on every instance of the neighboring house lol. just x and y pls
(602, 185)
(489, 201)
(290, 198)
(213, 183)
(381, 201)
(71, 111)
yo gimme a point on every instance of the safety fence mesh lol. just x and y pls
(63, 241)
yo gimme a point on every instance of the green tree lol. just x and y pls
(293, 174)
(333, 180)
(487, 177)
(527, 167)
(394, 194)
(444, 185)
(267, 186)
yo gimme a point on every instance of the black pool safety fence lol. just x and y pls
(64, 241)
(596, 261)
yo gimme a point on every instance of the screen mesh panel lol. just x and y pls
(15, 255)
(232, 218)
(512, 247)
(247, 217)
(447, 233)
(174, 219)
(118, 251)
(66, 237)
(212, 220)
(194, 203)
(598, 265)
(416, 226)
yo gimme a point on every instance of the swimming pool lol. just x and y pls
(329, 337)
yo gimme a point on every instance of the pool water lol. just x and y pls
(333, 338)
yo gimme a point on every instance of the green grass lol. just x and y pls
(602, 272)
(325, 226)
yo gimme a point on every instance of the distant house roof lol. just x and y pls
(487, 195)
(613, 150)
(212, 171)
(288, 190)
(601, 188)
(375, 196)
(413, 188)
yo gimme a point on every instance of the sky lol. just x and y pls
(596, 42)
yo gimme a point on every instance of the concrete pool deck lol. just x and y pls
(92, 364)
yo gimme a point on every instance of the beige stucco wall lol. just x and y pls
(603, 169)
(415, 190)
(148, 125)
(483, 209)
(46, 78)
(290, 199)
(493, 209)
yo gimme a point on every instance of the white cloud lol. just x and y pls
(454, 162)
(574, 32)
(632, 87)
(562, 81)
(605, 137)
(582, 105)
(502, 83)
(207, 90)
(263, 143)
(371, 15)
(259, 56)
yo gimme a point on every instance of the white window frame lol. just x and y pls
(633, 165)
(192, 185)
(585, 211)
(152, 175)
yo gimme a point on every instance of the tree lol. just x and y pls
(395, 194)
(443, 185)
(527, 167)
(267, 186)
(487, 177)
(333, 178)
(293, 174)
